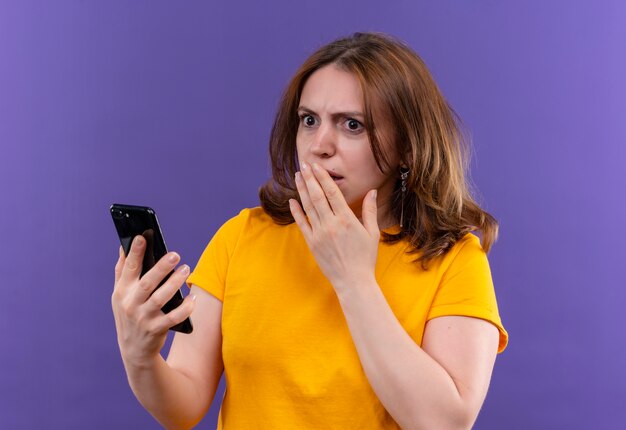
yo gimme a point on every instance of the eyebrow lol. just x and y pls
(349, 114)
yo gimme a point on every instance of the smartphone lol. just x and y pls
(131, 221)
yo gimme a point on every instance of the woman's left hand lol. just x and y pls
(345, 249)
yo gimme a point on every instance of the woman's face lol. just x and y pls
(332, 133)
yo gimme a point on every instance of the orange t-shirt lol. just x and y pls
(289, 359)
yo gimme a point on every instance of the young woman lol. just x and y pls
(356, 296)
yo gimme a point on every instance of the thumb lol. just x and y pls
(119, 265)
(370, 213)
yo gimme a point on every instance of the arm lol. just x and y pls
(440, 385)
(198, 356)
(178, 392)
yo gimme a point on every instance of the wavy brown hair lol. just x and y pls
(400, 95)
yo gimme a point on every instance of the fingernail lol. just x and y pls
(304, 166)
(374, 194)
(193, 297)
(138, 242)
(298, 176)
(184, 269)
(173, 257)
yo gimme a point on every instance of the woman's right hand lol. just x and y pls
(141, 325)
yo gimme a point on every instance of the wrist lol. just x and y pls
(355, 284)
(140, 364)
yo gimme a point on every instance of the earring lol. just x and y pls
(404, 174)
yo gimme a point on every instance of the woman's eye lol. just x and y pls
(353, 124)
(308, 120)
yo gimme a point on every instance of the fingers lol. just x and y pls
(119, 266)
(305, 198)
(369, 213)
(321, 197)
(176, 316)
(331, 191)
(154, 276)
(300, 218)
(134, 261)
(163, 294)
(313, 196)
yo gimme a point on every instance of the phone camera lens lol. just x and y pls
(117, 214)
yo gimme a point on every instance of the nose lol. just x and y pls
(323, 143)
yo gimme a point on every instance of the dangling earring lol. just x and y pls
(404, 173)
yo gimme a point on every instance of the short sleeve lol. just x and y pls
(466, 287)
(212, 268)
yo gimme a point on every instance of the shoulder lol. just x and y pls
(465, 286)
(466, 247)
(237, 230)
(466, 255)
(248, 221)
(255, 216)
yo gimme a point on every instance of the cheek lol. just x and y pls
(363, 161)
(302, 142)
(299, 147)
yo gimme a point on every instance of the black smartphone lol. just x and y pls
(131, 221)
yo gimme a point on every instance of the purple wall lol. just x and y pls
(169, 104)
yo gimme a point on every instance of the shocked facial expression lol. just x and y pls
(332, 134)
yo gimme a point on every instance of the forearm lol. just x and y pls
(167, 394)
(413, 387)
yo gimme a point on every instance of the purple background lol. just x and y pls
(169, 104)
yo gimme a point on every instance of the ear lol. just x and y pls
(404, 161)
